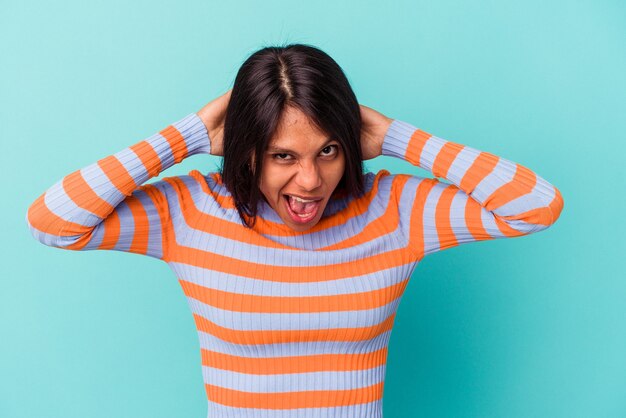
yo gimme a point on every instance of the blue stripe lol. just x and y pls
(298, 348)
(369, 410)
(127, 228)
(101, 185)
(155, 227)
(212, 279)
(502, 173)
(261, 321)
(462, 162)
(293, 382)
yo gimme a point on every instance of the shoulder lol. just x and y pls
(376, 188)
(192, 184)
(385, 182)
(401, 186)
(210, 182)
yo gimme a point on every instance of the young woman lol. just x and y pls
(293, 260)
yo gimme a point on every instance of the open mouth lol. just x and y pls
(301, 212)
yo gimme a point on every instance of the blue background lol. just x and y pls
(525, 327)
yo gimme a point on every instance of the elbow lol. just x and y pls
(538, 219)
(556, 206)
(548, 215)
(73, 242)
(35, 223)
(40, 236)
(49, 229)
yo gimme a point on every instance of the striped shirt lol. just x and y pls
(292, 324)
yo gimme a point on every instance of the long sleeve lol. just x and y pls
(105, 206)
(490, 197)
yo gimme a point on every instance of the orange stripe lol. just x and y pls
(556, 206)
(522, 183)
(292, 400)
(385, 224)
(217, 177)
(208, 223)
(355, 208)
(111, 232)
(238, 302)
(167, 227)
(84, 196)
(416, 231)
(288, 274)
(506, 229)
(541, 216)
(445, 157)
(290, 336)
(224, 201)
(117, 174)
(445, 233)
(482, 166)
(148, 157)
(294, 364)
(44, 220)
(141, 230)
(81, 242)
(415, 146)
(177, 143)
(474, 221)
(205, 222)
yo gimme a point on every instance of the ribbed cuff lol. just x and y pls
(397, 139)
(195, 134)
(414, 145)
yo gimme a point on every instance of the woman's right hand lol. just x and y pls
(213, 115)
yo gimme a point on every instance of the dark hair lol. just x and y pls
(296, 75)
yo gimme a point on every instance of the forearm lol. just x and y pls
(521, 200)
(78, 202)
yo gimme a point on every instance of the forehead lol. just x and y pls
(296, 130)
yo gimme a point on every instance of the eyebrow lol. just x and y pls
(288, 151)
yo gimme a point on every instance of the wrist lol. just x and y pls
(397, 138)
(203, 115)
(387, 125)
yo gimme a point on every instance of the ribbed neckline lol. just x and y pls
(269, 219)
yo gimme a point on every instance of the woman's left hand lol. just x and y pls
(373, 130)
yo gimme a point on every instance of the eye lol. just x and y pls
(280, 157)
(328, 150)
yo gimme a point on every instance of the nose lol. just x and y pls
(308, 176)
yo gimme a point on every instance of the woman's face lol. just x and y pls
(300, 161)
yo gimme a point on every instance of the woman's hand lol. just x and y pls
(213, 115)
(374, 126)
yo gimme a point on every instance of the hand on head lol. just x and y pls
(373, 129)
(213, 114)
(374, 126)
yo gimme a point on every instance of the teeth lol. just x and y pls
(302, 215)
(300, 200)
